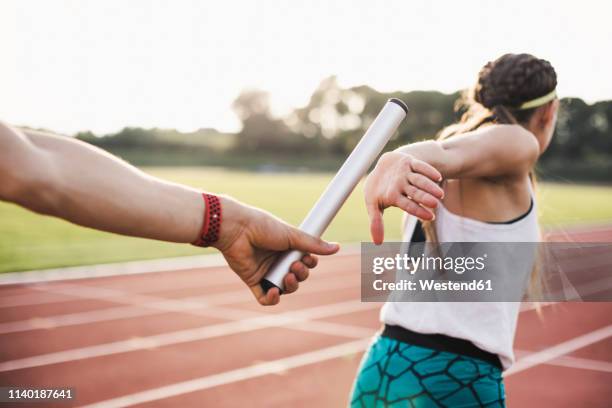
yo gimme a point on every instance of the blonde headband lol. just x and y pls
(534, 103)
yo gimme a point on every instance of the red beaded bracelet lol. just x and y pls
(211, 225)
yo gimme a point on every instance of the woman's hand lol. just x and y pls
(402, 181)
(252, 239)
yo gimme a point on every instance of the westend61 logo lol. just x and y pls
(458, 271)
(404, 263)
(486, 272)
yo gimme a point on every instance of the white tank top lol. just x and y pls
(491, 326)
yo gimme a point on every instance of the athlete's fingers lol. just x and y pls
(299, 270)
(413, 208)
(272, 297)
(307, 243)
(377, 227)
(310, 261)
(291, 283)
(302, 275)
(420, 197)
(423, 183)
(426, 169)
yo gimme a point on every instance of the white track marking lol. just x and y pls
(196, 302)
(334, 329)
(551, 353)
(528, 306)
(55, 293)
(108, 294)
(32, 299)
(131, 268)
(342, 350)
(150, 306)
(112, 269)
(584, 290)
(582, 363)
(67, 292)
(237, 295)
(187, 262)
(588, 228)
(146, 305)
(141, 306)
(573, 362)
(577, 263)
(188, 335)
(73, 319)
(257, 370)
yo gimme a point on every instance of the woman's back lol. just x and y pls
(489, 200)
(488, 325)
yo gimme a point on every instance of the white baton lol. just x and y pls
(341, 186)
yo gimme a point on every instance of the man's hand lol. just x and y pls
(37, 171)
(252, 239)
(402, 181)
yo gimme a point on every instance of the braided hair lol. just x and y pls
(501, 87)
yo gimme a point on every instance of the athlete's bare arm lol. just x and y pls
(408, 177)
(70, 179)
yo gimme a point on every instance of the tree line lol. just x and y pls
(320, 134)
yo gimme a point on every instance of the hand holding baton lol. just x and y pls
(341, 186)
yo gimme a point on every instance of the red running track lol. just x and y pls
(194, 338)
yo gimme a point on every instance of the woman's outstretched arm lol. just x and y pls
(73, 180)
(491, 151)
(408, 177)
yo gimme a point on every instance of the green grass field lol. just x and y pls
(31, 241)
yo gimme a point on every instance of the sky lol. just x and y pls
(103, 65)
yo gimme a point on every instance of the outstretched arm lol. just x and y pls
(73, 180)
(408, 178)
(498, 150)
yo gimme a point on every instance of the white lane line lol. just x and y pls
(257, 370)
(201, 262)
(528, 306)
(112, 269)
(573, 362)
(131, 268)
(191, 262)
(36, 298)
(73, 319)
(59, 292)
(32, 299)
(334, 329)
(120, 296)
(582, 363)
(188, 335)
(342, 350)
(587, 229)
(551, 353)
(78, 291)
(576, 293)
(101, 293)
(145, 305)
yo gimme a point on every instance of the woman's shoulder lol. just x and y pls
(513, 143)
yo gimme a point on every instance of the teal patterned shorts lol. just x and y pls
(398, 374)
